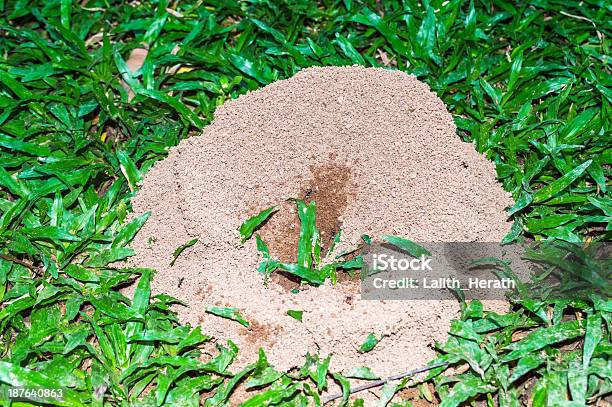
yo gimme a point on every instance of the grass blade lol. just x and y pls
(250, 225)
(560, 184)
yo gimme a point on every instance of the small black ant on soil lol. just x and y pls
(180, 283)
(307, 194)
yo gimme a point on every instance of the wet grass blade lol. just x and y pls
(181, 249)
(18, 376)
(229, 313)
(250, 225)
(307, 217)
(560, 184)
(311, 276)
(544, 337)
(295, 314)
(407, 245)
(370, 342)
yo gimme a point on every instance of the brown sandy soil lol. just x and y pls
(378, 153)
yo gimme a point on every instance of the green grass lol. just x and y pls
(528, 84)
(309, 268)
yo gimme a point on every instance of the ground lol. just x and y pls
(527, 84)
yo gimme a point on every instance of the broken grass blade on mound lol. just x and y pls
(331, 271)
(356, 263)
(361, 372)
(295, 314)
(266, 266)
(311, 276)
(229, 313)
(348, 266)
(180, 250)
(309, 247)
(250, 225)
(409, 246)
(262, 247)
(370, 342)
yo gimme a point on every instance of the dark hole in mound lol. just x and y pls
(330, 188)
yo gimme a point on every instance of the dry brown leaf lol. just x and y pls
(134, 63)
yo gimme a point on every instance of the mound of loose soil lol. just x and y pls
(378, 153)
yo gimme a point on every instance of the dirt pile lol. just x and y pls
(378, 153)
(330, 187)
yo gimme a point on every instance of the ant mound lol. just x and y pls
(377, 152)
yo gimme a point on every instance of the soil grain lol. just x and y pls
(377, 151)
